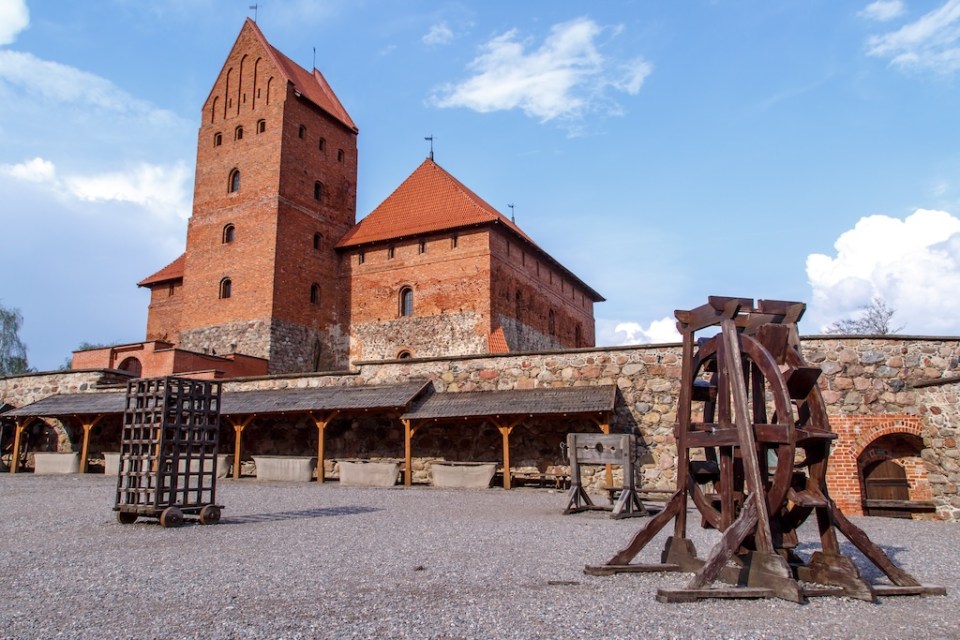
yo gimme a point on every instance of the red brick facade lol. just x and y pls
(277, 268)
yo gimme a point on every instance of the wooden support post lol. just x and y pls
(408, 431)
(604, 426)
(505, 432)
(17, 432)
(87, 425)
(238, 428)
(322, 422)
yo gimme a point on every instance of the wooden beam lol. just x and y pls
(238, 427)
(321, 422)
(408, 431)
(505, 430)
(18, 430)
(604, 425)
(87, 425)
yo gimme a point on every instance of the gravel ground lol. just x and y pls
(309, 561)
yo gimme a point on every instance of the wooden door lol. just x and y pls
(886, 481)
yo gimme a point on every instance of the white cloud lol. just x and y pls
(658, 332)
(930, 43)
(883, 10)
(14, 18)
(564, 78)
(912, 264)
(438, 34)
(161, 190)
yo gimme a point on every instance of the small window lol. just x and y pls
(361, 258)
(406, 302)
(261, 126)
(422, 247)
(302, 131)
(339, 155)
(390, 253)
(238, 133)
(322, 144)
(171, 289)
(217, 139)
(318, 241)
(318, 191)
(314, 293)
(229, 233)
(226, 288)
(578, 336)
(234, 184)
(454, 241)
(404, 355)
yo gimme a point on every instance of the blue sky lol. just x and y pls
(664, 151)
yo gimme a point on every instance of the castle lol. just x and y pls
(279, 277)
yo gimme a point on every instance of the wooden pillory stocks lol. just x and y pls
(755, 466)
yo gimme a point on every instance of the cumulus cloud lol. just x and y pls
(14, 18)
(438, 34)
(931, 43)
(658, 332)
(562, 79)
(161, 190)
(883, 10)
(912, 264)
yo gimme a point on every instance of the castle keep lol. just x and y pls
(279, 277)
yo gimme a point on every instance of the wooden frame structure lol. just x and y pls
(609, 449)
(762, 443)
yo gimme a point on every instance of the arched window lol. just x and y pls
(322, 145)
(229, 233)
(302, 131)
(318, 241)
(552, 322)
(406, 302)
(318, 191)
(217, 139)
(261, 126)
(339, 155)
(226, 288)
(314, 293)
(132, 365)
(234, 183)
(404, 355)
(238, 133)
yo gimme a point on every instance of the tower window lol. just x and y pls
(226, 288)
(318, 241)
(229, 233)
(406, 302)
(217, 139)
(302, 131)
(578, 336)
(422, 247)
(361, 258)
(339, 155)
(322, 144)
(404, 355)
(391, 251)
(454, 241)
(238, 133)
(314, 293)
(261, 126)
(318, 191)
(233, 185)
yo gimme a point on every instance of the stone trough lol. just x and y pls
(56, 463)
(364, 473)
(462, 475)
(285, 468)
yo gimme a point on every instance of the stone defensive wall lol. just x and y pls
(890, 399)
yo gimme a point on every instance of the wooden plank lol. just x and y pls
(913, 505)
(729, 543)
(692, 595)
(800, 380)
(873, 552)
(919, 590)
(613, 569)
(651, 529)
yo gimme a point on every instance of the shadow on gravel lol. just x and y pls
(868, 570)
(297, 515)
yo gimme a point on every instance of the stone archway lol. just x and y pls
(891, 471)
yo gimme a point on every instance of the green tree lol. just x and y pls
(13, 353)
(874, 321)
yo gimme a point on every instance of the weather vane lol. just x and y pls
(513, 218)
(253, 8)
(429, 138)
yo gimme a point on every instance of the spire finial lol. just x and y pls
(513, 218)
(254, 8)
(429, 138)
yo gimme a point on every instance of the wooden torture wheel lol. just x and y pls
(753, 443)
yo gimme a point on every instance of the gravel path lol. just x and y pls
(308, 561)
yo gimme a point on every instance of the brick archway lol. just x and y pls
(856, 434)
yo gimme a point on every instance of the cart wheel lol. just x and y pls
(210, 514)
(171, 517)
(125, 517)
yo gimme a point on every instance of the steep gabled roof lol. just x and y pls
(311, 86)
(173, 271)
(431, 200)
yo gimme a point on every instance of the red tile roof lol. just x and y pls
(429, 201)
(497, 342)
(312, 86)
(173, 271)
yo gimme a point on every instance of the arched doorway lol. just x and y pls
(132, 365)
(893, 477)
(885, 482)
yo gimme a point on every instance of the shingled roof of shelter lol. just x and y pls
(530, 402)
(173, 271)
(312, 86)
(397, 397)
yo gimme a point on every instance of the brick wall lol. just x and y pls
(164, 312)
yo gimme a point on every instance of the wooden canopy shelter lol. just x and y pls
(505, 410)
(239, 408)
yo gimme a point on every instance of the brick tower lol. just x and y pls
(275, 189)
